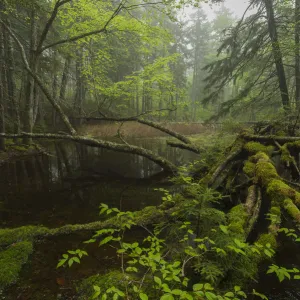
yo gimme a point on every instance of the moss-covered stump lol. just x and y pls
(11, 261)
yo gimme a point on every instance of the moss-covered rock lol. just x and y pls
(11, 261)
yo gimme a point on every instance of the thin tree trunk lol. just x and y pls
(11, 82)
(297, 53)
(277, 55)
(29, 94)
(80, 90)
(2, 95)
(54, 87)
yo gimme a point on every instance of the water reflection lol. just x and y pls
(68, 185)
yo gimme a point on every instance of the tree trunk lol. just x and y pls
(29, 93)
(277, 55)
(80, 90)
(11, 82)
(54, 88)
(297, 53)
(2, 94)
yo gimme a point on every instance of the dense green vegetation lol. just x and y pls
(78, 70)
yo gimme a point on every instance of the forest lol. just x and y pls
(149, 149)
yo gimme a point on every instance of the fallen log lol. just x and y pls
(92, 142)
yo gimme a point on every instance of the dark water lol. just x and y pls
(67, 187)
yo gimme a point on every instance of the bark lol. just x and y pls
(271, 138)
(2, 92)
(39, 82)
(29, 93)
(54, 88)
(11, 83)
(297, 52)
(63, 85)
(80, 90)
(163, 163)
(184, 146)
(223, 166)
(277, 55)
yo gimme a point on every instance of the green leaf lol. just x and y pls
(143, 296)
(177, 292)
(76, 259)
(262, 296)
(237, 288)
(167, 297)
(224, 229)
(157, 280)
(96, 288)
(210, 296)
(89, 241)
(297, 277)
(65, 256)
(229, 294)
(198, 287)
(61, 262)
(70, 262)
(106, 240)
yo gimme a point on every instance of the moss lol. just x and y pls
(9, 236)
(285, 154)
(114, 278)
(292, 209)
(265, 171)
(249, 168)
(275, 210)
(11, 261)
(279, 191)
(149, 213)
(237, 218)
(268, 238)
(254, 147)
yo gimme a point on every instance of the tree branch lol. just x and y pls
(48, 25)
(81, 36)
(162, 162)
(155, 125)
